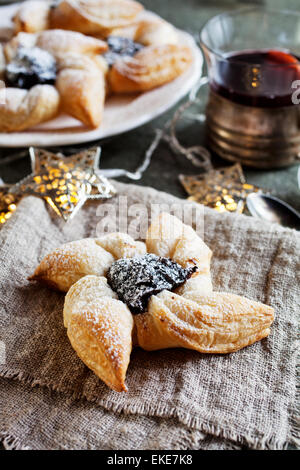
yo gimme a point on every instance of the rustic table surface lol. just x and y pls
(127, 150)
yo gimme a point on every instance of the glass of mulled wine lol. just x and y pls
(253, 111)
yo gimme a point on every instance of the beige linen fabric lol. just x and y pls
(36, 418)
(247, 397)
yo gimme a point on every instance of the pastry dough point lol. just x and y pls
(32, 16)
(121, 245)
(72, 261)
(26, 108)
(169, 237)
(217, 323)
(81, 84)
(94, 17)
(99, 328)
(151, 67)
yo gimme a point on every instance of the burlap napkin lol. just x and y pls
(247, 397)
(37, 418)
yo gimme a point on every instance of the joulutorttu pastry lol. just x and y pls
(85, 16)
(94, 16)
(100, 18)
(70, 56)
(150, 67)
(158, 294)
(49, 72)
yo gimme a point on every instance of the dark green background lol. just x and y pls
(127, 150)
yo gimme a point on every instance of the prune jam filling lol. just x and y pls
(119, 46)
(31, 66)
(136, 279)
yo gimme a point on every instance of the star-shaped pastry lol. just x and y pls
(65, 182)
(123, 293)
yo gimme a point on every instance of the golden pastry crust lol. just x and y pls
(217, 323)
(59, 42)
(101, 18)
(72, 261)
(99, 328)
(32, 16)
(121, 245)
(23, 109)
(80, 81)
(194, 316)
(81, 85)
(155, 32)
(69, 263)
(98, 17)
(167, 236)
(151, 67)
(149, 30)
(26, 40)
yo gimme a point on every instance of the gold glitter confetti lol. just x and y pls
(223, 189)
(8, 203)
(65, 182)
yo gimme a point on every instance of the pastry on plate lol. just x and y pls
(95, 17)
(125, 18)
(32, 16)
(83, 50)
(148, 30)
(57, 42)
(48, 73)
(81, 85)
(151, 67)
(152, 31)
(22, 109)
(155, 295)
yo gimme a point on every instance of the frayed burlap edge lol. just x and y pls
(295, 412)
(262, 442)
(10, 442)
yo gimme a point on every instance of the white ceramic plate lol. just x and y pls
(121, 114)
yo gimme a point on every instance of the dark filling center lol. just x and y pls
(31, 66)
(136, 279)
(119, 46)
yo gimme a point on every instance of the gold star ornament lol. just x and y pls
(223, 189)
(8, 203)
(65, 182)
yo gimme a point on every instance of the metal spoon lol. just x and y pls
(272, 209)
